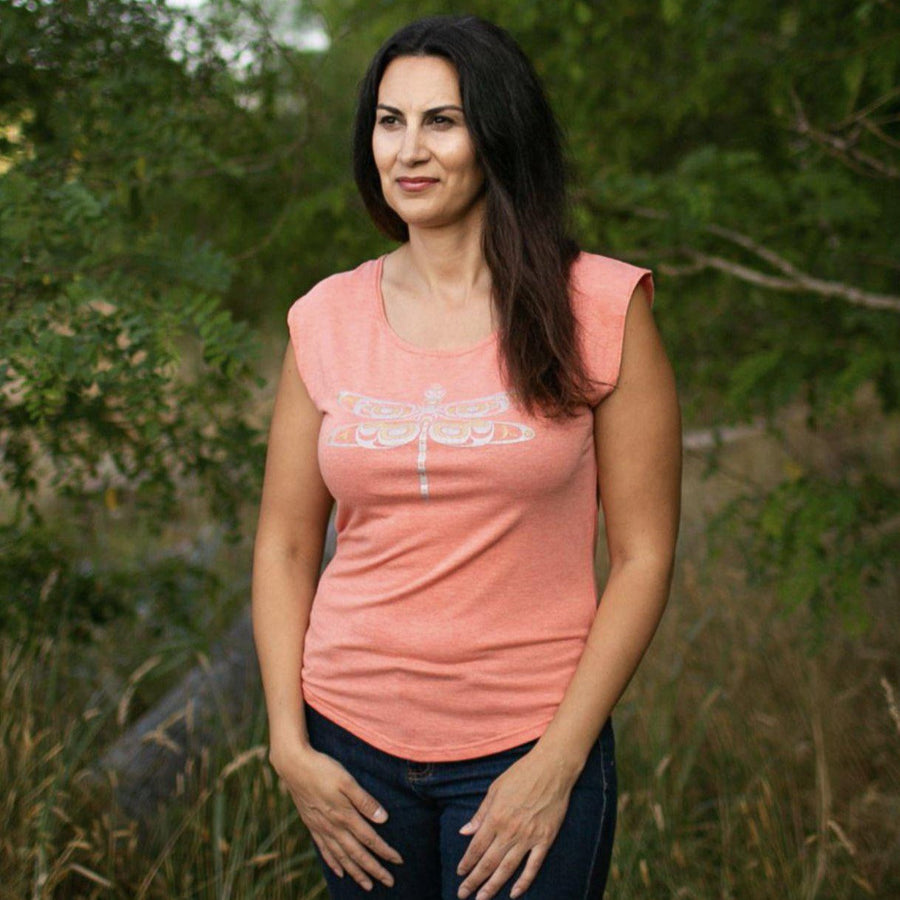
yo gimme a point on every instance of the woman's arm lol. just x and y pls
(638, 438)
(286, 560)
(287, 554)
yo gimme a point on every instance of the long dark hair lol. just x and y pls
(526, 244)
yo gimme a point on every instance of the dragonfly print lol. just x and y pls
(387, 424)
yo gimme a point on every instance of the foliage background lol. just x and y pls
(172, 177)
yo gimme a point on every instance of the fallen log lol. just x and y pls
(145, 763)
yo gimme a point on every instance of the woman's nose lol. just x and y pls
(413, 149)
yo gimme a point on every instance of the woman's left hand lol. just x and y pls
(520, 815)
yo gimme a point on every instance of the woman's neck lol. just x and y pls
(448, 261)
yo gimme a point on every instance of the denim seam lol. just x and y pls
(590, 874)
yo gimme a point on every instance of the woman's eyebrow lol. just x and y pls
(428, 112)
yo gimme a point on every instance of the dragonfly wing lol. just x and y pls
(372, 408)
(375, 435)
(477, 432)
(477, 409)
(511, 433)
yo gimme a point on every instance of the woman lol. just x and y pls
(439, 701)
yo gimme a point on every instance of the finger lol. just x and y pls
(364, 801)
(362, 860)
(475, 851)
(369, 807)
(348, 829)
(351, 865)
(372, 840)
(327, 856)
(535, 860)
(496, 857)
(475, 822)
(500, 875)
(482, 839)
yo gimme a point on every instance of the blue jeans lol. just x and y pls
(428, 803)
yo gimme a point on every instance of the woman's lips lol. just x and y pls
(414, 185)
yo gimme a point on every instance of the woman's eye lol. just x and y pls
(387, 120)
(442, 121)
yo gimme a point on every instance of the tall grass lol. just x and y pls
(753, 769)
(755, 761)
(228, 831)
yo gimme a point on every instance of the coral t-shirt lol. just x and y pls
(457, 604)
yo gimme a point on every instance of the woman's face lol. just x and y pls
(430, 175)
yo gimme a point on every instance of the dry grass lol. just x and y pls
(750, 767)
(228, 832)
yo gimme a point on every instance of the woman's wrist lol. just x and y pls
(287, 734)
(564, 755)
(286, 752)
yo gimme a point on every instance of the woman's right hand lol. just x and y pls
(335, 809)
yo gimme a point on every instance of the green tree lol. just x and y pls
(119, 364)
(122, 372)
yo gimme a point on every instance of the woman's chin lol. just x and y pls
(430, 219)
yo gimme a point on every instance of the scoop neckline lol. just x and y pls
(404, 344)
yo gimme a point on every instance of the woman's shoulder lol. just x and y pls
(320, 321)
(336, 291)
(601, 290)
(593, 274)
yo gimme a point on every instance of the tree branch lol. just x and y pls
(701, 261)
(844, 146)
(794, 280)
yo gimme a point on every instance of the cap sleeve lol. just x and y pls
(303, 331)
(601, 291)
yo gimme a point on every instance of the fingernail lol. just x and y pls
(367, 885)
(463, 893)
(466, 828)
(380, 815)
